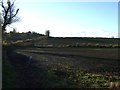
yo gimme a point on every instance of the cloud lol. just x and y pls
(95, 33)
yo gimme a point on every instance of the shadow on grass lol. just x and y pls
(8, 73)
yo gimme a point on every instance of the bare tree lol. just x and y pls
(8, 13)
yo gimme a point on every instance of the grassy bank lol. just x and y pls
(8, 72)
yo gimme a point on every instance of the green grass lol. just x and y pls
(8, 73)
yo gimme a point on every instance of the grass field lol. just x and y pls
(62, 63)
(73, 67)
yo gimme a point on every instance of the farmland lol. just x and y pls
(95, 67)
(63, 66)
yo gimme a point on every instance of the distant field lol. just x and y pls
(76, 41)
(110, 53)
(71, 42)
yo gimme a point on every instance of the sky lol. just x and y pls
(68, 19)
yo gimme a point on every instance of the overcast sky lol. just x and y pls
(68, 19)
